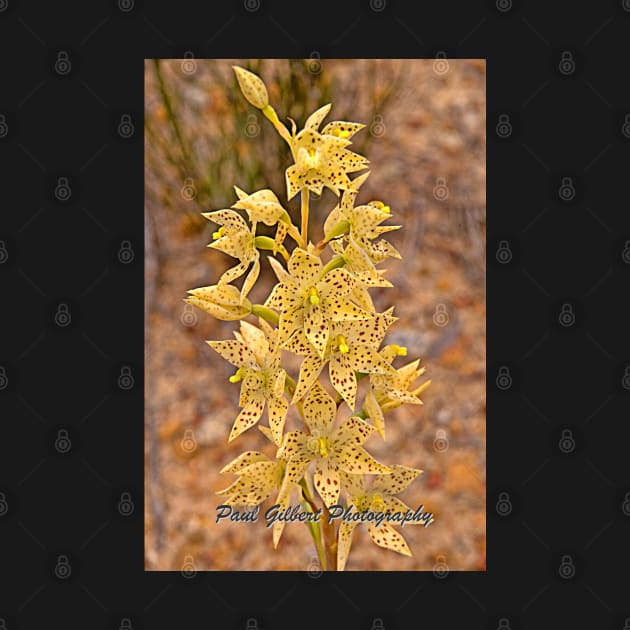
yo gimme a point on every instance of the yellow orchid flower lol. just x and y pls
(362, 224)
(332, 450)
(388, 391)
(351, 348)
(309, 301)
(321, 159)
(258, 478)
(221, 300)
(263, 206)
(378, 498)
(236, 238)
(256, 355)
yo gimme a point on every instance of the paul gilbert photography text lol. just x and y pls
(276, 513)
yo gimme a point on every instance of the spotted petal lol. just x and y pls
(277, 411)
(233, 221)
(249, 416)
(304, 267)
(387, 537)
(235, 352)
(326, 480)
(336, 283)
(309, 372)
(344, 542)
(316, 118)
(316, 327)
(342, 128)
(343, 378)
(319, 410)
(283, 298)
(397, 481)
(243, 460)
(374, 412)
(356, 459)
(254, 340)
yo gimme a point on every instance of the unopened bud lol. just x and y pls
(252, 86)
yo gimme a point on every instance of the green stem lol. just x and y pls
(304, 214)
(314, 527)
(266, 313)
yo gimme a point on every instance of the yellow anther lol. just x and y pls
(381, 206)
(401, 351)
(219, 233)
(313, 297)
(237, 376)
(377, 502)
(343, 346)
(323, 446)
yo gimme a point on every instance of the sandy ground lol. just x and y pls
(427, 153)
